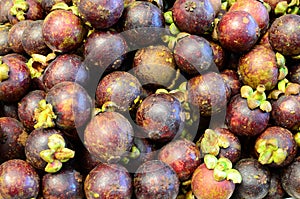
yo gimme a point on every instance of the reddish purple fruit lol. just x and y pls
(193, 55)
(160, 117)
(13, 137)
(108, 181)
(257, 9)
(232, 79)
(33, 40)
(204, 185)
(155, 67)
(284, 34)
(101, 14)
(290, 179)
(119, 88)
(182, 155)
(193, 16)
(207, 92)
(237, 31)
(63, 35)
(109, 136)
(15, 77)
(15, 35)
(18, 180)
(243, 121)
(276, 147)
(155, 179)
(26, 107)
(66, 184)
(251, 71)
(66, 67)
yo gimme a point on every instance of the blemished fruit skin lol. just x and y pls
(63, 35)
(18, 180)
(256, 9)
(204, 186)
(12, 139)
(243, 121)
(108, 181)
(193, 55)
(109, 136)
(71, 103)
(182, 155)
(259, 66)
(66, 184)
(284, 35)
(26, 107)
(101, 14)
(18, 83)
(238, 31)
(193, 16)
(290, 178)
(155, 179)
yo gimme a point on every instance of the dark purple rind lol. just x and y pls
(109, 136)
(18, 180)
(155, 178)
(243, 121)
(108, 181)
(18, 83)
(291, 179)
(12, 139)
(27, 106)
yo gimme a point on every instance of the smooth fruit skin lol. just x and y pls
(204, 186)
(26, 107)
(243, 121)
(284, 34)
(18, 83)
(182, 155)
(256, 9)
(259, 66)
(66, 67)
(119, 87)
(108, 136)
(155, 180)
(66, 184)
(12, 139)
(101, 13)
(193, 55)
(286, 112)
(238, 31)
(108, 181)
(291, 179)
(71, 103)
(193, 16)
(63, 35)
(256, 179)
(18, 180)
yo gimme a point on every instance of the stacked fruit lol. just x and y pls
(149, 99)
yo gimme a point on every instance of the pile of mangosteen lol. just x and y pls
(162, 99)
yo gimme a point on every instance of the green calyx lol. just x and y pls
(270, 152)
(19, 8)
(57, 154)
(222, 169)
(133, 154)
(212, 142)
(64, 6)
(44, 115)
(4, 71)
(283, 7)
(297, 138)
(37, 64)
(257, 98)
(285, 87)
(282, 69)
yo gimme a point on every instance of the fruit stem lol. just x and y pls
(4, 71)
(56, 154)
(44, 115)
(168, 17)
(19, 8)
(283, 70)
